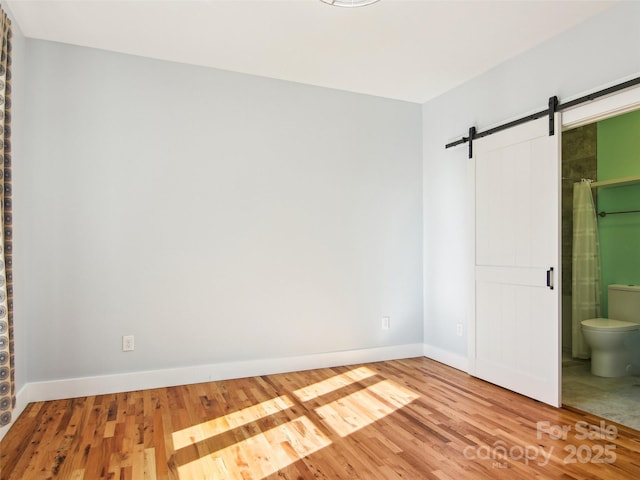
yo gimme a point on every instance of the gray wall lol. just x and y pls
(215, 216)
(598, 52)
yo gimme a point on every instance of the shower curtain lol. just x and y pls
(585, 282)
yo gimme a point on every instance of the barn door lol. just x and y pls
(514, 332)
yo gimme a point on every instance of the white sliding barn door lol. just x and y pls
(514, 335)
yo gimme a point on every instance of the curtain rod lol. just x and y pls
(604, 214)
(554, 106)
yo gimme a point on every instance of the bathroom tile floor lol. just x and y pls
(615, 399)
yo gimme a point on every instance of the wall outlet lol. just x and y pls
(386, 323)
(127, 343)
(459, 329)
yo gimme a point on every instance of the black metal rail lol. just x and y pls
(554, 106)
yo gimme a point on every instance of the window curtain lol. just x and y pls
(585, 293)
(7, 362)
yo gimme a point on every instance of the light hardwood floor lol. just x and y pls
(404, 419)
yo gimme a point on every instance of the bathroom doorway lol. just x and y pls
(601, 150)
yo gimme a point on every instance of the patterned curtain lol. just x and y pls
(585, 284)
(7, 362)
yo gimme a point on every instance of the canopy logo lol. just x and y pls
(498, 453)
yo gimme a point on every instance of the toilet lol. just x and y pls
(610, 357)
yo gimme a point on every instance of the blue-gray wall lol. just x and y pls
(216, 216)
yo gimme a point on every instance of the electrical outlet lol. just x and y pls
(459, 329)
(127, 343)
(386, 323)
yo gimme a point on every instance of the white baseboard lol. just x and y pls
(454, 360)
(125, 382)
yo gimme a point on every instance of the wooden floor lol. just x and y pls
(406, 419)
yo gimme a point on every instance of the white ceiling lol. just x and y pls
(411, 50)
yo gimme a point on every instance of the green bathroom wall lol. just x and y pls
(618, 157)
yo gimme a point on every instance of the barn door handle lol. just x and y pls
(550, 278)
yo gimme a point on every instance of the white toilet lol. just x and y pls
(606, 336)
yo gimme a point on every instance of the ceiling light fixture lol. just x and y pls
(349, 3)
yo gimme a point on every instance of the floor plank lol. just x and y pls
(402, 419)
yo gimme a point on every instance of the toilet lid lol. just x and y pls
(609, 324)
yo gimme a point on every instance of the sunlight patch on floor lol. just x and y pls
(362, 408)
(265, 453)
(334, 383)
(219, 425)
(259, 456)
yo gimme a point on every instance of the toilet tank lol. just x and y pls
(624, 302)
